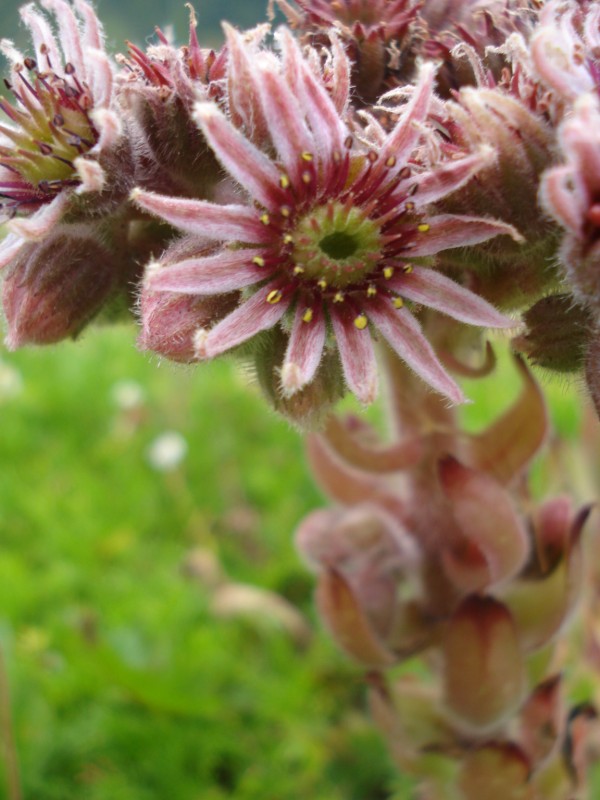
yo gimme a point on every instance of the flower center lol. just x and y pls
(335, 244)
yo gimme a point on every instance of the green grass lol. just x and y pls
(124, 683)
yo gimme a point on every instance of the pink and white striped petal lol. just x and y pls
(246, 163)
(9, 247)
(43, 39)
(340, 90)
(69, 35)
(210, 221)
(404, 136)
(253, 316)
(286, 124)
(42, 221)
(100, 81)
(244, 108)
(223, 272)
(304, 351)
(93, 35)
(357, 355)
(563, 194)
(403, 333)
(447, 177)
(436, 291)
(449, 230)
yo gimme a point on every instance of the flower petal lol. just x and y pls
(432, 289)
(357, 355)
(305, 349)
(404, 334)
(246, 163)
(448, 176)
(405, 134)
(209, 220)
(450, 230)
(69, 34)
(42, 221)
(222, 272)
(253, 316)
(9, 247)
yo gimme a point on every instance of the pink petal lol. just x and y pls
(69, 35)
(253, 316)
(208, 220)
(91, 174)
(340, 93)
(304, 351)
(244, 109)
(563, 195)
(42, 221)
(404, 334)
(92, 34)
(223, 272)
(446, 177)
(403, 138)
(357, 355)
(42, 36)
(9, 247)
(246, 163)
(449, 230)
(435, 290)
(100, 80)
(285, 120)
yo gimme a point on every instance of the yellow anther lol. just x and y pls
(306, 177)
(391, 162)
(285, 211)
(397, 302)
(288, 238)
(308, 315)
(361, 322)
(265, 219)
(410, 206)
(298, 270)
(274, 296)
(423, 227)
(306, 156)
(388, 272)
(407, 269)
(284, 182)
(338, 297)
(260, 262)
(322, 284)
(371, 291)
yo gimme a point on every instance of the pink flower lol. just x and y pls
(58, 124)
(328, 247)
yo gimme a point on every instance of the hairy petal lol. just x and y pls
(435, 290)
(222, 272)
(404, 334)
(304, 351)
(450, 230)
(253, 316)
(357, 356)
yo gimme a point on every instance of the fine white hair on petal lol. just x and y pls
(91, 174)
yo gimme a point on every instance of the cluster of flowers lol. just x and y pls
(383, 172)
(396, 173)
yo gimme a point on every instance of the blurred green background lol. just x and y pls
(156, 625)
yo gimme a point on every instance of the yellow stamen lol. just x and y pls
(371, 291)
(306, 156)
(388, 272)
(410, 206)
(306, 177)
(322, 284)
(285, 211)
(260, 262)
(391, 162)
(407, 269)
(274, 296)
(423, 227)
(288, 238)
(308, 315)
(397, 302)
(338, 297)
(284, 182)
(265, 219)
(298, 270)
(361, 322)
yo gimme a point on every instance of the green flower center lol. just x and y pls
(336, 245)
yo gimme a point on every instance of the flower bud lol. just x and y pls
(557, 333)
(541, 720)
(495, 772)
(55, 287)
(495, 544)
(483, 668)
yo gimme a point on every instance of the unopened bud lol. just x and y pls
(484, 677)
(495, 772)
(557, 333)
(496, 543)
(56, 287)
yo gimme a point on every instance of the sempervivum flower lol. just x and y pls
(566, 48)
(328, 247)
(59, 122)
